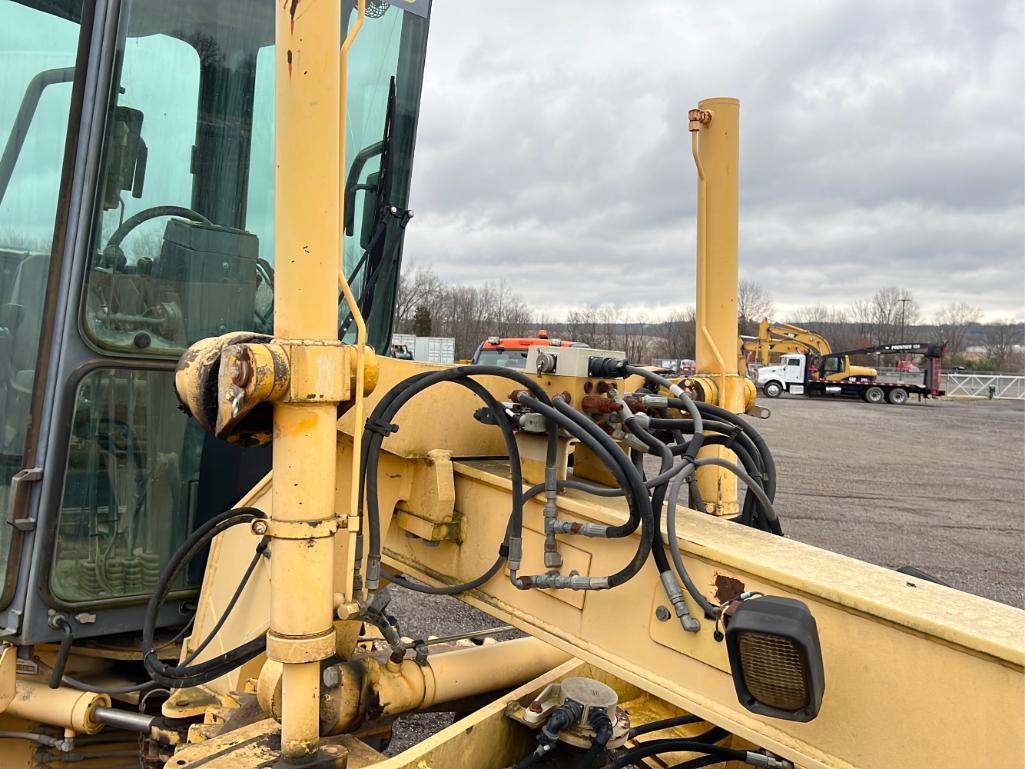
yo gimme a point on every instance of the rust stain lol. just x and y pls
(291, 13)
(727, 587)
(289, 57)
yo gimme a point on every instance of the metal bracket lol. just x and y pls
(277, 529)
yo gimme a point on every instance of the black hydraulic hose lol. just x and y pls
(665, 723)
(600, 722)
(183, 676)
(590, 488)
(707, 606)
(748, 462)
(626, 474)
(657, 747)
(752, 485)
(473, 584)
(628, 477)
(717, 412)
(56, 743)
(63, 652)
(379, 424)
(761, 450)
(695, 500)
(687, 403)
(261, 548)
(730, 430)
(658, 545)
(747, 516)
(516, 514)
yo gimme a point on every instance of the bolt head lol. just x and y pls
(662, 614)
(331, 677)
(260, 527)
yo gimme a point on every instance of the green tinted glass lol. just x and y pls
(184, 241)
(131, 489)
(37, 57)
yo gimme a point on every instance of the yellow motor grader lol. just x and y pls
(213, 484)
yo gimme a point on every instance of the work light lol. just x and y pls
(775, 657)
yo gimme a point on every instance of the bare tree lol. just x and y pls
(753, 305)
(417, 286)
(952, 324)
(1004, 345)
(678, 342)
(893, 311)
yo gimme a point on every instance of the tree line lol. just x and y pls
(427, 306)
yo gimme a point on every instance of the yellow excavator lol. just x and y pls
(776, 338)
(208, 200)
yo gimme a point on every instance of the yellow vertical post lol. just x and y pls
(715, 133)
(307, 247)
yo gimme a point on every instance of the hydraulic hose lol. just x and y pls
(665, 723)
(657, 747)
(379, 424)
(682, 398)
(626, 474)
(761, 450)
(183, 675)
(659, 492)
(516, 514)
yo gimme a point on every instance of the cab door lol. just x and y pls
(43, 51)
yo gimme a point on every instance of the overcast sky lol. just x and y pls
(882, 143)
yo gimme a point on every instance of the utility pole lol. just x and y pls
(903, 311)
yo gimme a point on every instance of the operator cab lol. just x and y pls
(137, 217)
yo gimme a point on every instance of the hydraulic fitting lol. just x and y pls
(576, 527)
(768, 762)
(515, 554)
(596, 403)
(655, 401)
(571, 581)
(675, 595)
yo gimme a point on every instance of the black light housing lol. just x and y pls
(776, 658)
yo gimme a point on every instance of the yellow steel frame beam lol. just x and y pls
(917, 674)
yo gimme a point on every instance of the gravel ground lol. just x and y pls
(938, 485)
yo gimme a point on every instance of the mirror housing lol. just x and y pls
(126, 158)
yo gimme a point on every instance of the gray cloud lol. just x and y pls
(881, 144)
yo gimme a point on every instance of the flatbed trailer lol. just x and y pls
(891, 392)
(798, 375)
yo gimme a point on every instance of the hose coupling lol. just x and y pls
(634, 442)
(515, 554)
(373, 578)
(655, 401)
(576, 527)
(571, 581)
(675, 596)
(768, 762)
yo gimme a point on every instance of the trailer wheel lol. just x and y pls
(898, 396)
(874, 395)
(772, 389)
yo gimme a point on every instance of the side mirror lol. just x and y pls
(370, 204)
(352, 185)
(126, 157)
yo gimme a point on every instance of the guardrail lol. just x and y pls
(1009, 386)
